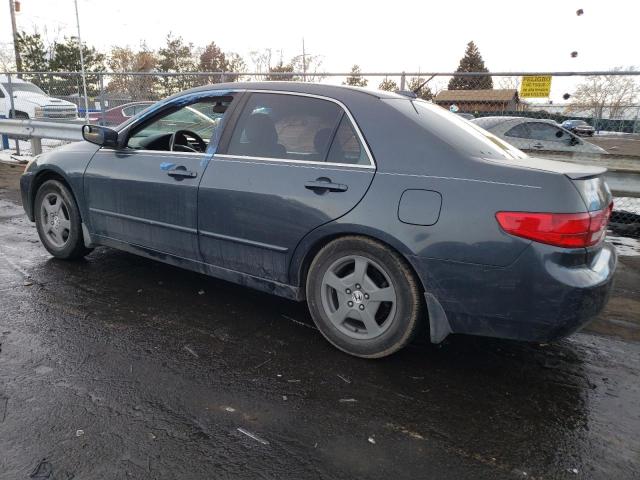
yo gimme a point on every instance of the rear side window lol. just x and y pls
(454, 130)
(546, 132)
(520, 131)
(284, 126)
(346, 146)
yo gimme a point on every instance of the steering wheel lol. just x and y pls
(178, 142)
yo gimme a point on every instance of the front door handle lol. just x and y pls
(181, 172)
(323, 184)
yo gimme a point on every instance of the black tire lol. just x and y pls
(66, 243)
(21, 116)
(404, 314)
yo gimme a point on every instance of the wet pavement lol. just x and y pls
(119, 367)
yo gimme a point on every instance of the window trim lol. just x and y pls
(356, 127)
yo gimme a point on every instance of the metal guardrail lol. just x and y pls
(36, 130)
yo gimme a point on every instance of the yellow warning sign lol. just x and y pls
(535, 86)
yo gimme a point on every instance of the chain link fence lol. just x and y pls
(588, 117)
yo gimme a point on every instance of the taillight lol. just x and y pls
(569, 230)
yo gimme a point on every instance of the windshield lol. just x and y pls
(456, 131)
(22, 87)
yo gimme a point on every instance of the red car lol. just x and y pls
(117, 115)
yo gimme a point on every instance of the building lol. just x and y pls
(494, 100)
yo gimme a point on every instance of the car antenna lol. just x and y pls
(414, 93)
(419, 87)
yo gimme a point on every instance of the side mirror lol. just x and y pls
(103, 136)
(574, 141)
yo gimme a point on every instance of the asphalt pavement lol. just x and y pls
(118, 367)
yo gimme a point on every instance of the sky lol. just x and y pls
(421, 36)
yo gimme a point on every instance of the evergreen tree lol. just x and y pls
(66, 58)
(176, 57)
(35, 57)
(236, 64)
(356, 79)
(388, 85)
(471, 62)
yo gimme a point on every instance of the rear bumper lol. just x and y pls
(546, 294)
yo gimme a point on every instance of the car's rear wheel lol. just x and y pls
(58, 221)
(363, 297)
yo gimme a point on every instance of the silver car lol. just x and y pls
(536, 134)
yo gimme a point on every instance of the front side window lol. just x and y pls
(188, 128)
(291, 127)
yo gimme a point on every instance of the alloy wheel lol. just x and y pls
(358, 297)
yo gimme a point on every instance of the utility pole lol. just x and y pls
(304, 62)
(84, 79)
(12, 9)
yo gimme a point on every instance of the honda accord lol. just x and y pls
(388, 215)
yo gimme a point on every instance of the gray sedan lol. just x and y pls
(536, 134)
(389, 216)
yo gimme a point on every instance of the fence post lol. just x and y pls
(403, 80)
(102, 118)
(36, 146)
(222, 77)
(12, 111)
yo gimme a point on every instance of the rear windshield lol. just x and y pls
(456, 131)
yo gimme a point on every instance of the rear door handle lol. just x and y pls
(324, 184)
(538, 145)
(181, 172)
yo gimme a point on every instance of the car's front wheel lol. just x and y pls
(58, 221)
(363, 297)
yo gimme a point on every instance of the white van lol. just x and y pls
(29, 101)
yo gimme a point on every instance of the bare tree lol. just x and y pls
(261, 60)
(311, 65)
(605, 95)
(7, 58)
(136, 87)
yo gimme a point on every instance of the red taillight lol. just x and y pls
(569, 230)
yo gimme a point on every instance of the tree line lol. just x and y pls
(180, 57)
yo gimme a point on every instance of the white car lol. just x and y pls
(29, 101)
(536, 134)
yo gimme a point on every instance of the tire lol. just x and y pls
(21, 116)
(58, 221)
(368, 315)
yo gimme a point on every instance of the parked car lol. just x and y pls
(466, 116)
(389, 215)
(579, 127)
(117, 115)
(536, 134)
(29, 101)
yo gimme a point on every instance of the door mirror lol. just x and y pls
(574, 141)
(103, 136)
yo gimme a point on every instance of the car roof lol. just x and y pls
(333, 91)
